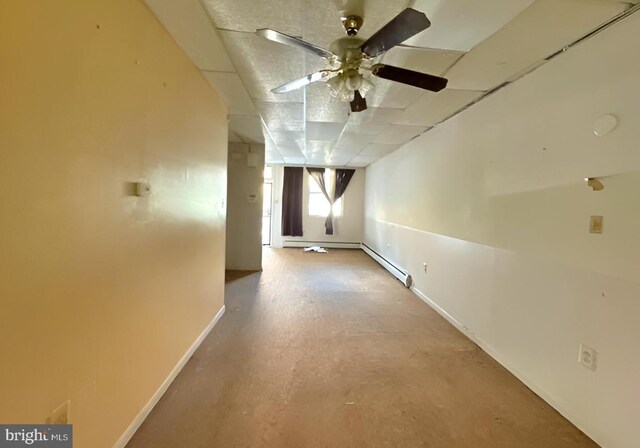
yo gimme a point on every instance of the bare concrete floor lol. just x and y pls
(329, 350)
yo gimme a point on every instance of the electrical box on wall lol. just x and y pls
(143, 189)
(595, 224)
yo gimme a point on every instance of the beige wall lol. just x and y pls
(244, 218)
(347, 228)
(102, 293)
(495, 203)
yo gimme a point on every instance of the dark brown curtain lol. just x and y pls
(292, 201)
(343, 177)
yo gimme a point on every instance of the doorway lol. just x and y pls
(267, 201)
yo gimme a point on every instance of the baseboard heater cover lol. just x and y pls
(396, 271)
(327, 244)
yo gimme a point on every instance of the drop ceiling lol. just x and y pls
(478, 46)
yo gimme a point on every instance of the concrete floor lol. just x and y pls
(329, 350)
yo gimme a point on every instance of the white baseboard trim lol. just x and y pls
(327, 244)
(146, 410)
(503, 362)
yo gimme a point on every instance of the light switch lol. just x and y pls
(595, 224)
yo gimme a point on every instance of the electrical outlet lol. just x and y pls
(595, 224)
(60, 416)
(424, 265)
(587, 357)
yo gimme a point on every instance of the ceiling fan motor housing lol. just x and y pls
(352, 24)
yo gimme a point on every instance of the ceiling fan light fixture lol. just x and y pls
(366, 87)
(354, 81)
(336, 84)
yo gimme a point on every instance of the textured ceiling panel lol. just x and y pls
(524, 41)
(265, 65)
(233, 91)
(272, 153)
(248, 128)
(282, 116)
(362, 161)
(396, 134)
(432, 108)
(295, 160)
(321, 106)
(249, 15)
(435, 62)
(315, 147)
(378, 150)
(391, 94)
(273, 158)
(317, 130)
(191, 28)
(290, 151)
(462, 24)
(352, 142)
(287, 138)
(372, 121)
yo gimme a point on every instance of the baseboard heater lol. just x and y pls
(327, 244)
(396, 271)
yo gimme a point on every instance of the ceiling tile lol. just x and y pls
(462, 24)
(265, 65)
(248, 128)
(523, 42)
(390, 94)
(373, 120)
(354, 142)
(378, 150)
(248, 15)
(192, 29)
(290, 151)
(318, 130)
(396, 134)
(362, 161)
(281, 137)
(314, 147)
(321, 106)
(233, 91)
(295, 160)
(432, 108)
(434, 62)
(273, 158)
(282, 116)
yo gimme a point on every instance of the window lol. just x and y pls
(318, 204)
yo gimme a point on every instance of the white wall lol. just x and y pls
(347, 228)
(494, 202)
(244, 218)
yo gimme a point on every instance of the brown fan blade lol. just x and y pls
(403, 26)
(406, 76)
(299, 83)
(277, 36)
(359, 103)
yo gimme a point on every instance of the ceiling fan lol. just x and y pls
(352, 60)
